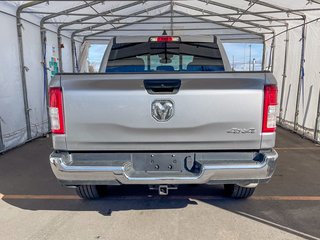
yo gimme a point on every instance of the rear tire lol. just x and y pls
(88, 192)
(238, 192)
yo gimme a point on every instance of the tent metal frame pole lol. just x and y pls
(289, 11)
(251, 4)
(171, 17)
(73, 46)
(22, 64)
(59, 40)
(134, 22)
(245, 12)
(316, 128)
(238, 10)
(281, 20)
(121, 18)
(59, 36)
(43, 36)
(102, 23)
(79, 21)
(64, 12)
(281, 9)
(126, 25)
(273, 52)
(263, 54)
(159, 29)
(230, 18)
(92, 8)
(96, 30)
(284, 74)
(270, 55)
(301, 76)
(1, 139)
(261, 35)
(68, 11)
(212, 21)
(221, 36)
(43, 39)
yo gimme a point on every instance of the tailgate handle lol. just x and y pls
(162, 86)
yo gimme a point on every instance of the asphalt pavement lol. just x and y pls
(34, 206)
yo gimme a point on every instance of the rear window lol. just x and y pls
(165, 57)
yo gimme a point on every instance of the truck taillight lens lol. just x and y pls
(56, 110)
(270, 108)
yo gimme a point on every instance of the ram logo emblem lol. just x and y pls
(162, 110)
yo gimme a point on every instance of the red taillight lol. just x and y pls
(270, 108)
(56, 110)
(164, 39)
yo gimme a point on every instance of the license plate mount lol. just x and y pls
(162, 162)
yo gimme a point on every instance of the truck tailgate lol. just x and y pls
(211, 111)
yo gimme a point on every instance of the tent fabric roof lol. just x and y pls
(101, 18)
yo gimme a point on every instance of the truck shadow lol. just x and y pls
(116, 198)
(140, 198)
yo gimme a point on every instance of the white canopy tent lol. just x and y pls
(40, 37)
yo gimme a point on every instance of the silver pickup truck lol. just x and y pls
(163, 111)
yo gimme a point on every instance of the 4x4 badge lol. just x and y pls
(242, 130)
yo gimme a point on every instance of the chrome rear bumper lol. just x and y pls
(114, 169)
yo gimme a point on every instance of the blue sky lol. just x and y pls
(95, 55)
(241, 54)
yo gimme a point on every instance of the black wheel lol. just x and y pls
(89, 192)
(236, 191)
